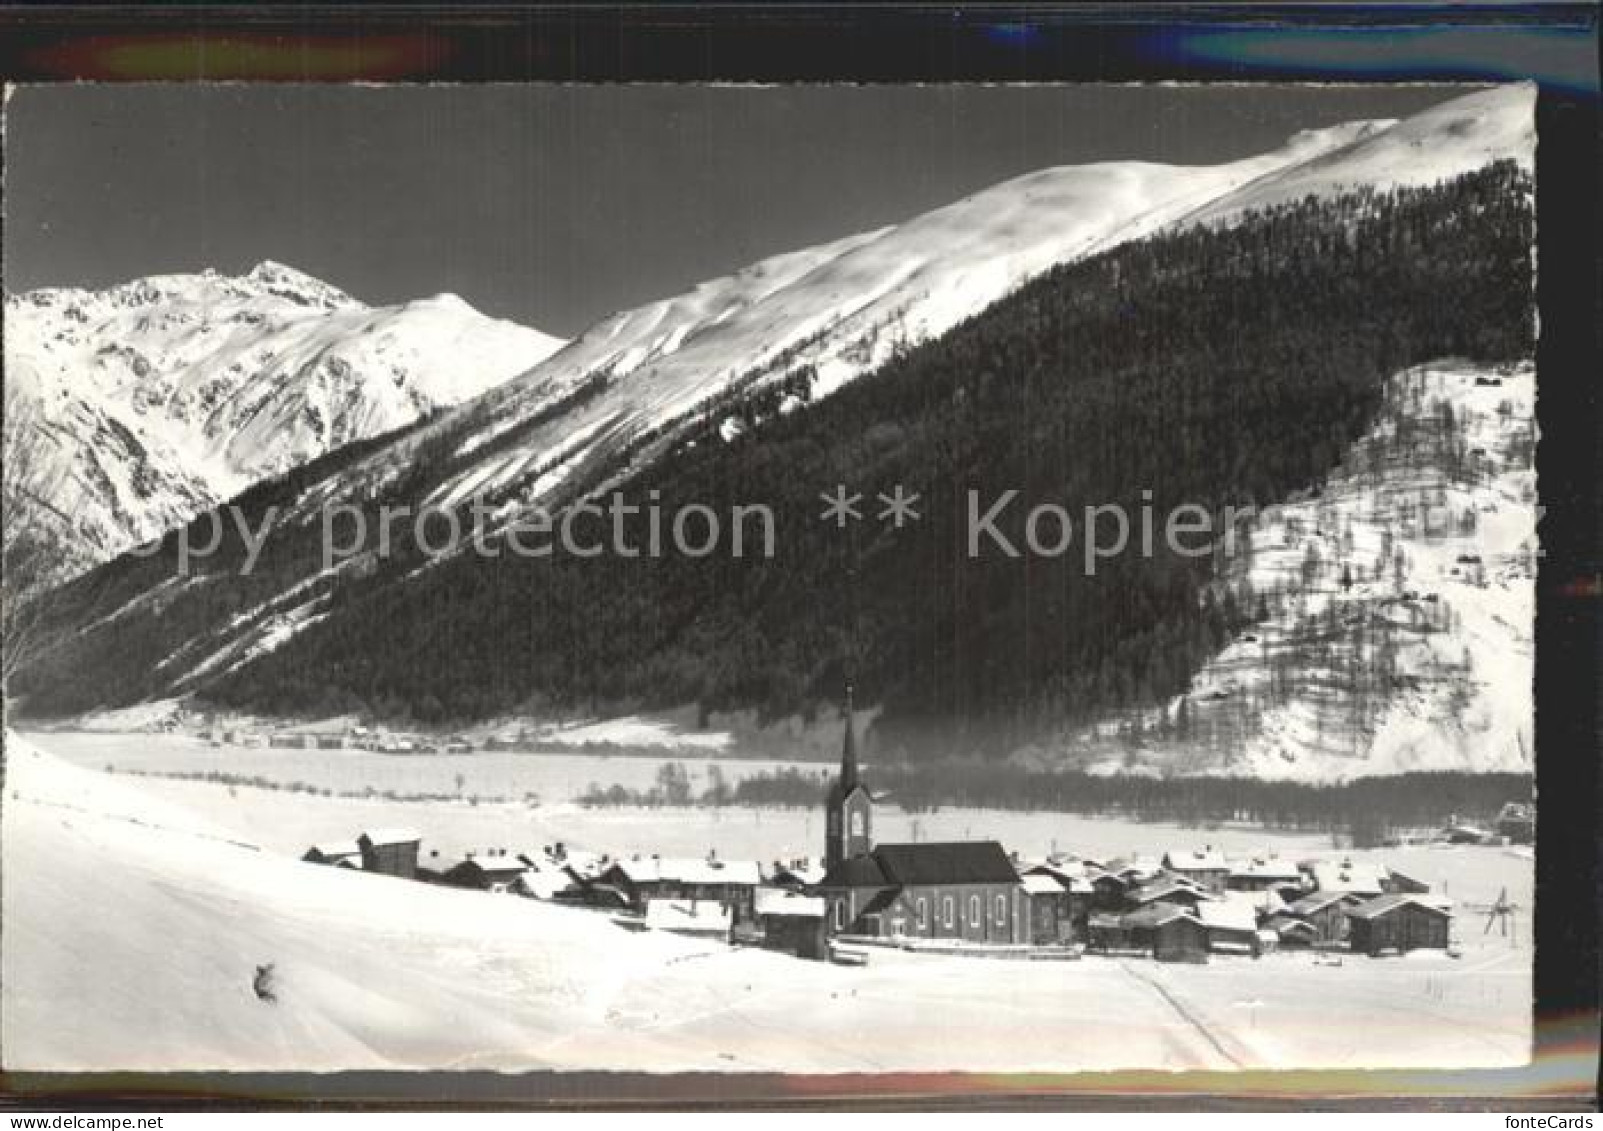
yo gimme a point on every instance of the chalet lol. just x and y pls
(791, 922)
(1517, 823)
(459, 746)
(699, 918)
(339, 854)
(331, 742)
(1108, 891)
(1290, 931)
(1325, 912)
(544, 878)
(1049, 909)
(1072, 896)
(1265, 872)
(1169, 889)
(1205, 866)
(1170, 933)
(645, 878)
(1362, 880)
(1231, 926)
(1398, 922)
(390, 852)
(494, 872)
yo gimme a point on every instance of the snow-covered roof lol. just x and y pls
(545, 882)
(781, 901)
(806, 872)
(1265, 867)
(1166, 886)
(691, 870)
(390, 836)
(1229, 915)
(336, 848)
(494, 865)
(1041, 883)
(1345, 875)
(1207, 859)
(1316, 901)
(1156, 915)
(1072, 875)
(1386, 904)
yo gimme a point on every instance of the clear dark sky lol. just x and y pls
(555, 205)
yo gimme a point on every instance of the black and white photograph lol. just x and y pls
(797, 579)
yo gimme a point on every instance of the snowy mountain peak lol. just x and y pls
(297, 286)
(164, 395)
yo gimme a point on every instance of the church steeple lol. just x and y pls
(849, 810)
(848, 753)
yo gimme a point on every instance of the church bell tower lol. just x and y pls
(849, 810)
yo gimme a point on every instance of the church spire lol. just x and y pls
(848, 753)
(849, 810)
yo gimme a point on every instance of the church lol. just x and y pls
(966, 890)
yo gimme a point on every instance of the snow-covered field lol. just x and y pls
(135, 927)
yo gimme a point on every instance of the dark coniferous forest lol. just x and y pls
(1209, 367)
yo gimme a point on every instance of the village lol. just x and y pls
(973, 898)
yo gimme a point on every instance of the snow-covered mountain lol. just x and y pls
(799, 326)
(811, 320)
(1396, 604)
(160, 397)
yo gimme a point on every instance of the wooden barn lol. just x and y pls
(642, 879)
(1169, 933)
(1326, 913)
(1073, 897)
(1108, 890)
(1205, 866)
(494, 872)
(1398, 922)
(1168, 889)
(1291, 932)
(792, 922)
(390, 852)
(1231, 924)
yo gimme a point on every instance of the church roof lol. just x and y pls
(855, 872)
(954, 862)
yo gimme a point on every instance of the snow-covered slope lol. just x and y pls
(812, 320)
(1445, 141)
(165, 395)
(828, 314)
(1394, 606)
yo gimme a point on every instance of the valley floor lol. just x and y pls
(139, 915)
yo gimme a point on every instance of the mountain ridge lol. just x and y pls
(158, 397)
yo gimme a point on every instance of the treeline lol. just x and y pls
(1365, 811)
(1207, 367)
